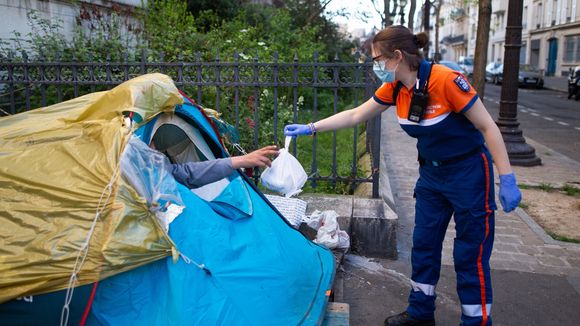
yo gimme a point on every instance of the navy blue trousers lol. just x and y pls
(464, 190)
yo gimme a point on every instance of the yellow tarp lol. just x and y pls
(55, 165)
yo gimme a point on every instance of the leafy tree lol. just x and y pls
(170, 29)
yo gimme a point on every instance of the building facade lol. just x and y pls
(14, 14)
(550, 33)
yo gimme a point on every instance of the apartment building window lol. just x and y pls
(554, 12)
(525, 18)
(569, 11)
(572, 48)
(523, 51)
(539, 15)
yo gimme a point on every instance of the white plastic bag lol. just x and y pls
(329, 233)
(286, 175)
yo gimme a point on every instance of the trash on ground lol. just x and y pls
(328, 233)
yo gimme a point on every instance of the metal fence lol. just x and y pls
(257, 97)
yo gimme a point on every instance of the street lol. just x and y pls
(545, 116)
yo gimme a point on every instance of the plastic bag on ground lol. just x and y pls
(329, 233)
(286, 175)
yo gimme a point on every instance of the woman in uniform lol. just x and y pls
(456, 141)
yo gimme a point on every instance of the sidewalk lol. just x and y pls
(559, 84)
(536, 280)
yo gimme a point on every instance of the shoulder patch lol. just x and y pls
(462, 83)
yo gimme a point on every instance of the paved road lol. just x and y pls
(545, 116)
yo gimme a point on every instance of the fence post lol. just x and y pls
(355, 129)
(42, 62)
(373, 133)
(198, 75)
(11, 88)
(295, 96)
(26, 81)
(336, 80)
(144, 61)
(314, 166)
(275, 95)
(217, 81)
(237, 88)
(256, 81)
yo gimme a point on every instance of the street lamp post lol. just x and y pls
(519, 152)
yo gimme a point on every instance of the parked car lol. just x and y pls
(453, 65)
(467, 64)
(492, 71)
(574, 83)
(528, 75)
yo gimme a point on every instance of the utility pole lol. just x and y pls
(426, 23)
(519, 152)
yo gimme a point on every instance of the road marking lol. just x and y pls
(523, 110)
(548, 118)
(563, 123)
(535, 114)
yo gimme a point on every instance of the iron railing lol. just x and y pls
(294, 90)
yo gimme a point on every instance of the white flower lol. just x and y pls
(265, 92)
(228, 41)
(244, 30)
(243, 56)
(261, 43)
(300, 100)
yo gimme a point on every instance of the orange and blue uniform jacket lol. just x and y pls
(457, 182)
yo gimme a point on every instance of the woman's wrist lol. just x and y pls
(312, 129)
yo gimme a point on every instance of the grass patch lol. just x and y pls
(546, 187)
(570, 190)
(562, 238)
(523, 205)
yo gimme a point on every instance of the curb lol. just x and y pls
(556, 89)
(539, 231)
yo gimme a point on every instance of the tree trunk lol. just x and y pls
(481, 43)
(387, 14)
(437, 55)
(412, 15)
(426, 25)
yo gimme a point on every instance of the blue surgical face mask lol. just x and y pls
(385, 75)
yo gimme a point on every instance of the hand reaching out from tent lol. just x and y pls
(257, 158)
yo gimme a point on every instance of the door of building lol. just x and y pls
(552, 56)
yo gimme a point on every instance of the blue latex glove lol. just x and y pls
(509, 193)
(297, 130)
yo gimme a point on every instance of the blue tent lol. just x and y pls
(242, 263)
